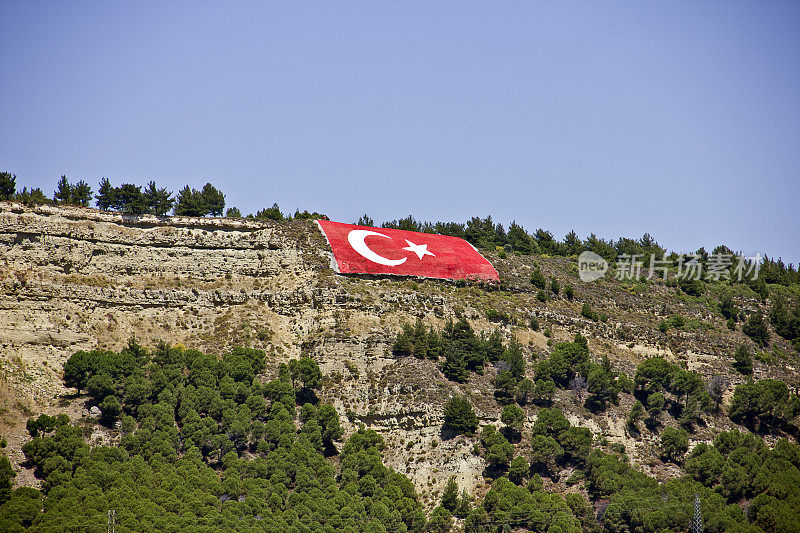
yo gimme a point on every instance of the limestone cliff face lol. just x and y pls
(78, 279)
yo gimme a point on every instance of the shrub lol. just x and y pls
(692, 287)
(674, 443)
(497, 316)
(742, 360)
(512, 416)
(728, 309)
(554, 286)
(677, 321)
(459, 415)
(537, 279)
(588, 312)
(756, 329)
(450, 495)
(569, 292)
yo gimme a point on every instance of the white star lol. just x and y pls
(420, 249)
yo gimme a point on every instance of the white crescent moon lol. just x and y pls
(356, 240)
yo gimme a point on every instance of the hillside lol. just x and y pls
(75, 279)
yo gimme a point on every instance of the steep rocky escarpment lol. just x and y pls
(78, 279)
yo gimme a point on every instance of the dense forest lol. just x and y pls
(211, 443)
(206, 447)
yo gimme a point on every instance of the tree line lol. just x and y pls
(126, 198)
(484, 233)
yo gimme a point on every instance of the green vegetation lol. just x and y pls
(459, 416)
(208, 444)
(689, 397)
(537, 280)
(463, 351)
(569, 292)
(8, 185)
(588, 312)
(206, 447)
(498, 452)
(786, 321)
(569, 366)
(194, 203)
(274, 213)
(674, 443)
(742, 361)
(79, 194)
(764, 404)
(756, 329)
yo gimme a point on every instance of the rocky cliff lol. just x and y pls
(78, 279)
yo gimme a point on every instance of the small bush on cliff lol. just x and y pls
(459, 416)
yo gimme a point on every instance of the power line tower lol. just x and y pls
(697, 521)
(112, 520)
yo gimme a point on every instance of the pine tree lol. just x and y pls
(190, 203)
(554, 286)
(8, 185)
(81, 194)
(515, 359)
(365, 220)
(63, 191)
(450, 495)
(455, 367)
(105, 195)
(742, 361)
(150, 194)
(214, 200)
(756, 329)
(537, 279)
(573, 243)
(637, 411)
(458, 415)
(158, 201)
(128, 198)
(569, 292)
(519, 239)
(6, 474)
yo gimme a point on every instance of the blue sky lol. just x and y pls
(681, 119)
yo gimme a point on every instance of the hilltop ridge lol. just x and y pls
(79, 279)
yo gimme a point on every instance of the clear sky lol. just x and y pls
(681, 119)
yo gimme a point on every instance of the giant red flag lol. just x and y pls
(366, 250)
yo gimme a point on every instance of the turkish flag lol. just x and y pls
(366, 250)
